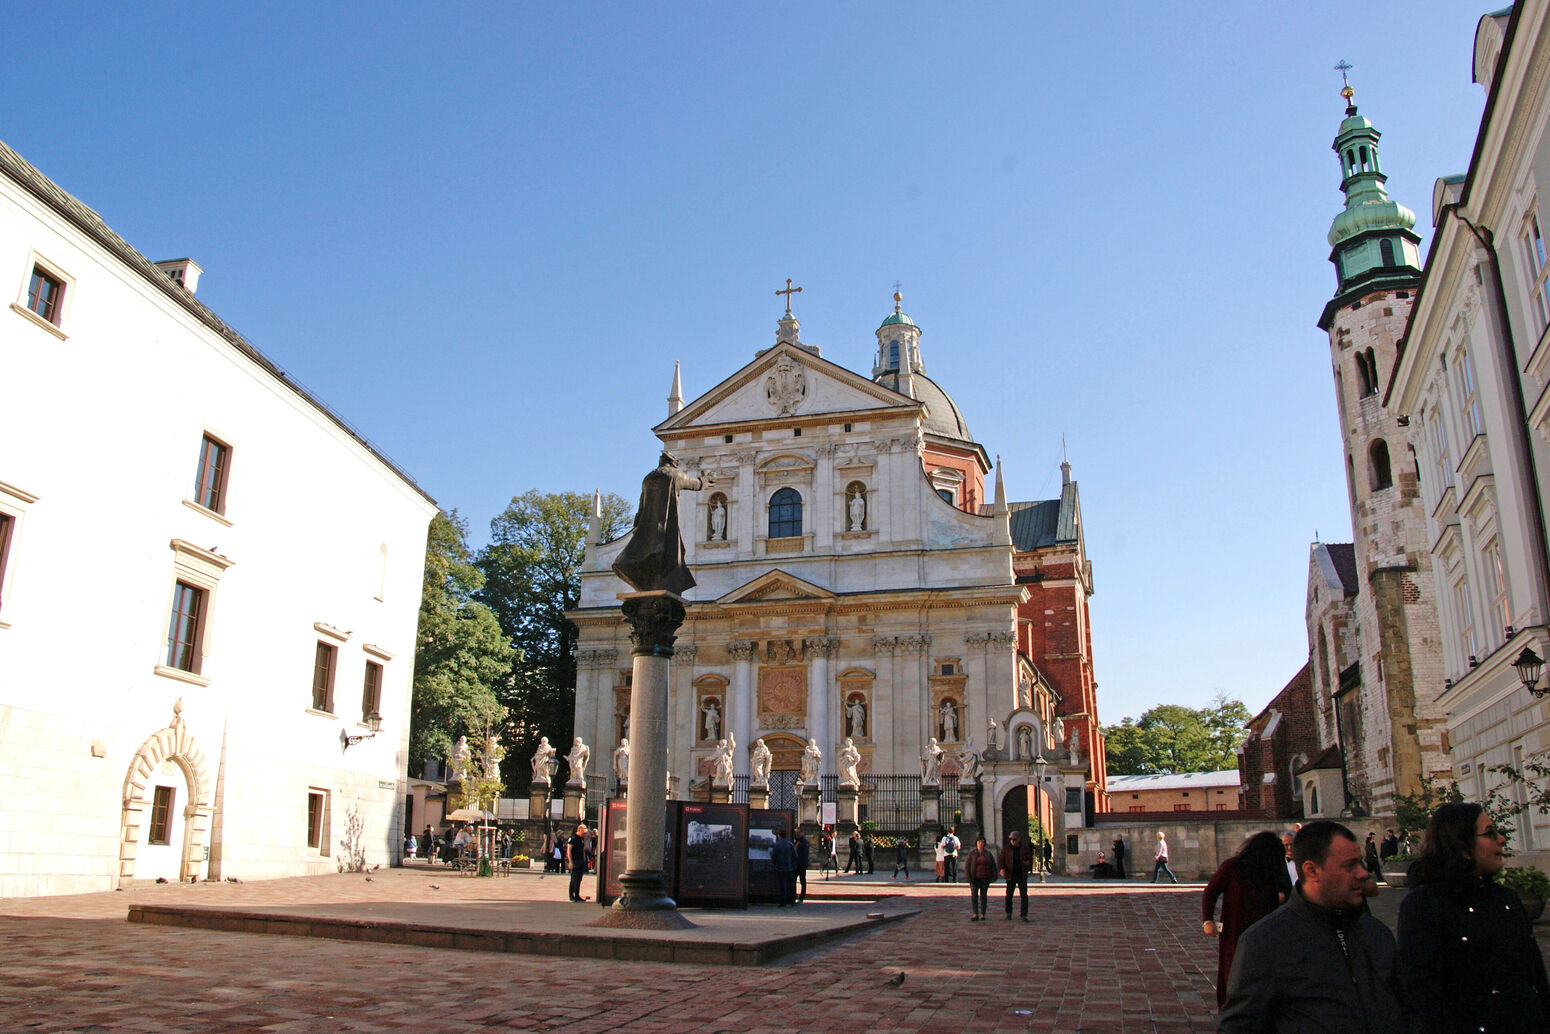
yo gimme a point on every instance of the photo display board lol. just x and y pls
(612, 840)
(713, 861)
(763, 885)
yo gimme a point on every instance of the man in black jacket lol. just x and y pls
(1320, 962)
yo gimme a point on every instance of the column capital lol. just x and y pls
(820, 646)
(742, 649)
(654, 618)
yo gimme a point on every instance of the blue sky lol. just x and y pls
(484, 233)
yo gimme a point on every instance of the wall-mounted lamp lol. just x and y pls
(373, 722)
(1530, 665)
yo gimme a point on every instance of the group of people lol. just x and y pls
(1301, 951)
(456, 841)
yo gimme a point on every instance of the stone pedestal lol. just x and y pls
(575, 803)
(809, 801)
(930, 805)
(759, 797)
(654, 618)
(848, 801)
(968, 801)
(720, 794)
(538, 801)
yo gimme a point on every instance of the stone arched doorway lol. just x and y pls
(785, 764)
(174, 746)
(1014, 811)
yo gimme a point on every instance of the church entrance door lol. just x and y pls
(1014, 811)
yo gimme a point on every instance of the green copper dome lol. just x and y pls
(896, 319)
(1370, 215)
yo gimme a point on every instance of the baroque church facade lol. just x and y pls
(856, 578)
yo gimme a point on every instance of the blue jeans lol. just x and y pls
(1162, 866)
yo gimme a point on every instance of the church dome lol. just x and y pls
(943, 417)
(1370, 215)
(897, 319)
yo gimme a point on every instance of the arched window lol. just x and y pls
(1350, 162)
(893, 355)
(785, 514)
(1363, 381)
(1312, 796)
(1378, 461)
(1362, 151)
(855, 507)
(1386, 249)
(716, 518)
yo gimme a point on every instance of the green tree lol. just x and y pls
(532, 577)
(460, 653)
(1170, 738)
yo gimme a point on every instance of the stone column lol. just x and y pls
(887, 758)
(739, 717)
(654, 618)
(821, 710)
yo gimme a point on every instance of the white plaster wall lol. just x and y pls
(104, 428)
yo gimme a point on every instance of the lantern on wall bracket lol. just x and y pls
(1530, 665)
(373, 722)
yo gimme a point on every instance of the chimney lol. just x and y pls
(184, 272)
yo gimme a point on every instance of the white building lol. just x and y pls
(207, 579)
(1471, 383)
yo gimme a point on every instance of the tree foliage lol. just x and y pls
(460, 653)
(1170, 738)
(532, 577)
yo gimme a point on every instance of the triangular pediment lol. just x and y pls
(787, 382)
(776, 585)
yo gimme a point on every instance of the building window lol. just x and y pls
(893, 355)
(1386, 251)
(1181, 807)
(184, 627)
(1466, 620)
(210, 478)
(1366, 373)
(1378, 464)
(317, 820)
(1470, 395)
(1138, 807)
(1496, 581)
(46, 295)
(161, 816)
(1440, 451)
(1537, 268)
(371, 691)
(785, 514)
(7, 527)
(324, 662)
(946, 495)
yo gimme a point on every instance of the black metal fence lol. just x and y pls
(894, 803)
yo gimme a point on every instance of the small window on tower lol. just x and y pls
(1386, 250)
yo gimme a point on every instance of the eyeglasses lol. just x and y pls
(1492, 832)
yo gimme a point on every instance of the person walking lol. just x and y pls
(979, 866)
(576, 857)
(1160, 859)
(1015, 862)
(1370, 859)
(866, 851)
(1467, 958)
(799, 842)
(783, 859)
(1119, 857)
(951, 845)
(1321, 962)
(940, 854)
(828, 858)
(901, 858)
(427, 848)
(1251, 884)
(853, 854)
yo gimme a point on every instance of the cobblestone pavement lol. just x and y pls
(1094, 958)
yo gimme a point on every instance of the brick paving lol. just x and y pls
(1094, 958)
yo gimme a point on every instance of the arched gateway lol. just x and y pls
(152, 814)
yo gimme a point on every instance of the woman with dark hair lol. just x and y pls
(1467, 959)
(1251, 884)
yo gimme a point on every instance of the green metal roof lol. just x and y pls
(897, 319)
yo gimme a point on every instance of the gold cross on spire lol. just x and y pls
(788, 292)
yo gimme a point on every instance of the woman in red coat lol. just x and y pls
(1251, 884)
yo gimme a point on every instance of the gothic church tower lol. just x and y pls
(1376, 678)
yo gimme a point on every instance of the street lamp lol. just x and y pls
(373, 722)
(1530, 665)
(1039, 764)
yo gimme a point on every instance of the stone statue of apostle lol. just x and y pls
(654, 557)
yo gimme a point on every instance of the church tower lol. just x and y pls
(1377, 677)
